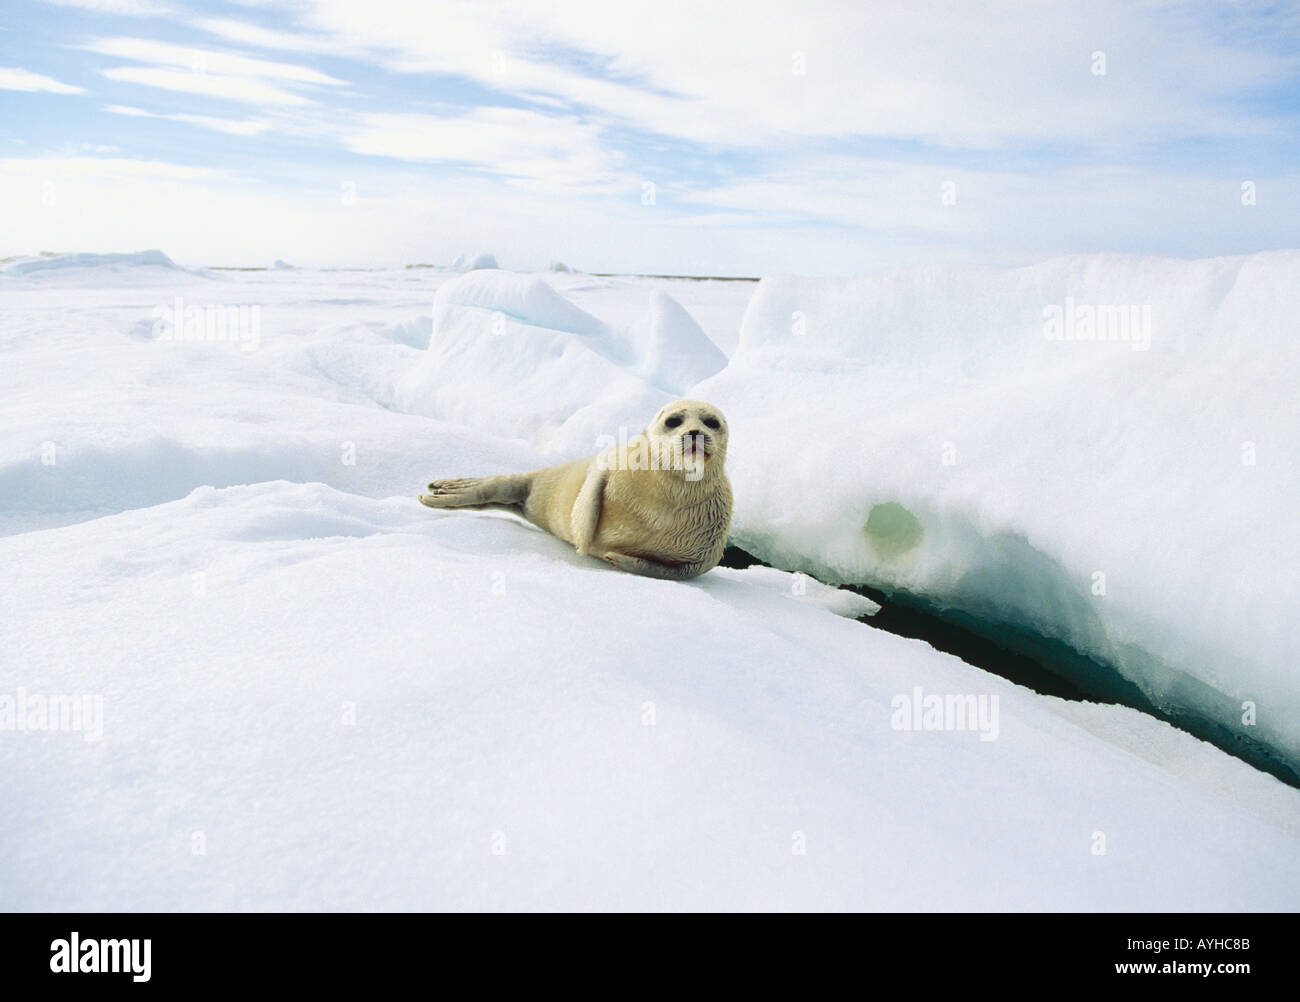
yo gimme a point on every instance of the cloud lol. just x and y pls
(748, 75)
(13, 78)
(210, 72)
(394, 215)
(85, 169)
(97, 149)
(202, 60)
(244, 33)
(128, 8)
(1011, 217)
(234, 127)
(551, 151)
(813, 137)
(207, 85)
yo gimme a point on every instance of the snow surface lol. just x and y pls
(317, 694)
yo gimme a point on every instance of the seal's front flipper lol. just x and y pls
(586, 508)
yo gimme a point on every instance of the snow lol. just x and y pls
(929, 430)
(807, 589)
(317, 694)
(525, 298)
(673, 351)
(349, 707)
(133, 421)
(511, 356)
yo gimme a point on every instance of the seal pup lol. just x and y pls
(657, 505)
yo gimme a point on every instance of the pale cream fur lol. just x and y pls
(668, 521)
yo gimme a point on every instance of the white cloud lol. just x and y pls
(85, 169)
(210, 72)
(13, 78)
(206, 84)
(128, 8)
(97, 149)
(551, 151)
(728, 73)
(207, 215)
(201, 60)
(263, 38)
(1012, 217)
(993, 86)
(234, 127)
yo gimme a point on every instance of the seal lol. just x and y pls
(658, 505)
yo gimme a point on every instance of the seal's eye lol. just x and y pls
(673, 421)
(712, 422)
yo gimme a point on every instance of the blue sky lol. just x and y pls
(813, 137)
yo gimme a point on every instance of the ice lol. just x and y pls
(522, 297)
(622, 301)
(673, 351)
(318, 694)
(98, 415)
(837, 600)
(512, 356)
(315, 700)
(929, 430)
(114, 262)
(473, 261)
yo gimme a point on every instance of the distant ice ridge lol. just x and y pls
(474, 261)
(511, 355)
(1101, 450)
(147, 258)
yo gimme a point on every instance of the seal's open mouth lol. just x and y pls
(694, 447)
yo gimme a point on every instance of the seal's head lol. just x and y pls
(694, 433)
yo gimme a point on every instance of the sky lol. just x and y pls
(662, 137)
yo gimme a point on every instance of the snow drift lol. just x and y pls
(510, 355)
(671, 349)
